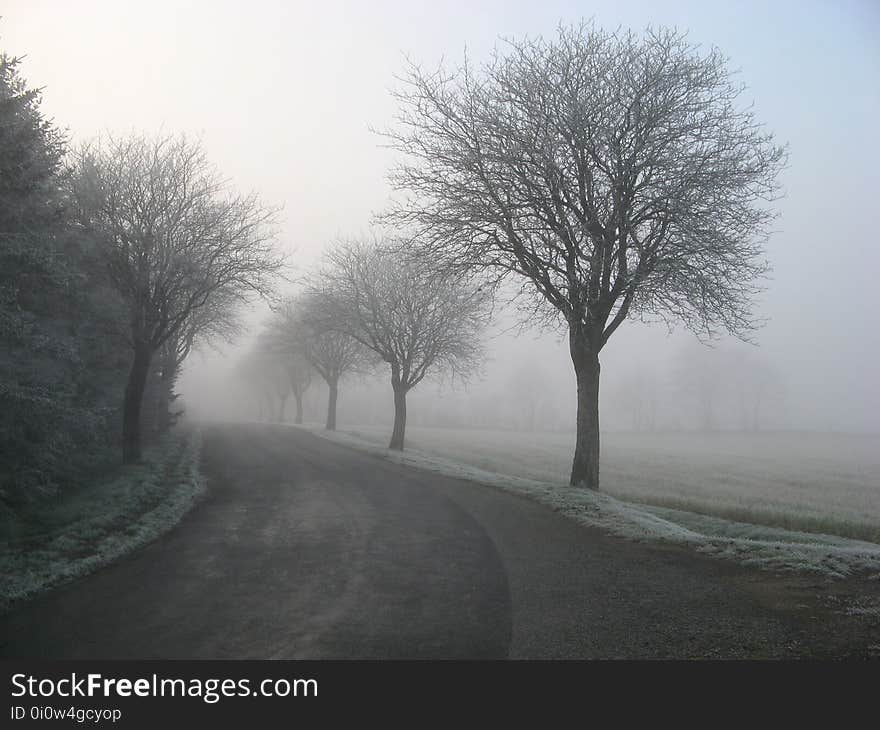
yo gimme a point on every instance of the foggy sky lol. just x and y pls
(283, 95)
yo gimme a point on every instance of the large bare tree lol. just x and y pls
(611, 175)
(173, 236)
(302, 327)
(416, 318)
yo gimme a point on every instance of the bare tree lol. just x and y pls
(264, 370)
(172, 235)
(299, 375)
(415, 318)
(302, 326)
(612, 175)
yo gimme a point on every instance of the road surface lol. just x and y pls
(307, 549)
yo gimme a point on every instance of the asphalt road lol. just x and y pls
(307, 549)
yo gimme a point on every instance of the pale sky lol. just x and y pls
(283, 95)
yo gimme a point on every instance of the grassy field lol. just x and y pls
(825, 483)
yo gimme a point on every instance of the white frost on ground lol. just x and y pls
(808, 482)
(770, 548)
(105, 522)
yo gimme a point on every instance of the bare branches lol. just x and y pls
(301, 327)
(173, 233)
(415, 317)
(617, 174)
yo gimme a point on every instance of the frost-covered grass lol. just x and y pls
(767, 546)
(810, 482)
(55, 542)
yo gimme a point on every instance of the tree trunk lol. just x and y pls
(585, 467)
(331, 405)
(397, 435)
(298, 419)
(131, 408)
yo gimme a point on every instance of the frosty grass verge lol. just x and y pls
(105, 522)
(769, 548)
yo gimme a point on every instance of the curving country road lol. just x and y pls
(307, 549)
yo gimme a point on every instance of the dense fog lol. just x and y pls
(284, 96)
(406, 329)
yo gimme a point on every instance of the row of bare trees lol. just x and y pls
(599, 176)
(301, 332)
(368, 305)
(602, 175)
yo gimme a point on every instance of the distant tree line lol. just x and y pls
(730, 387)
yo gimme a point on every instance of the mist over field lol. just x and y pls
(284, 95)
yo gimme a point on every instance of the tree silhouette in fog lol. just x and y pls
(609, 174)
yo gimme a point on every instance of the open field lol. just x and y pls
(826, 483)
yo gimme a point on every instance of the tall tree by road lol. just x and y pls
(172, 235)
(612, 175)
(415, 318)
